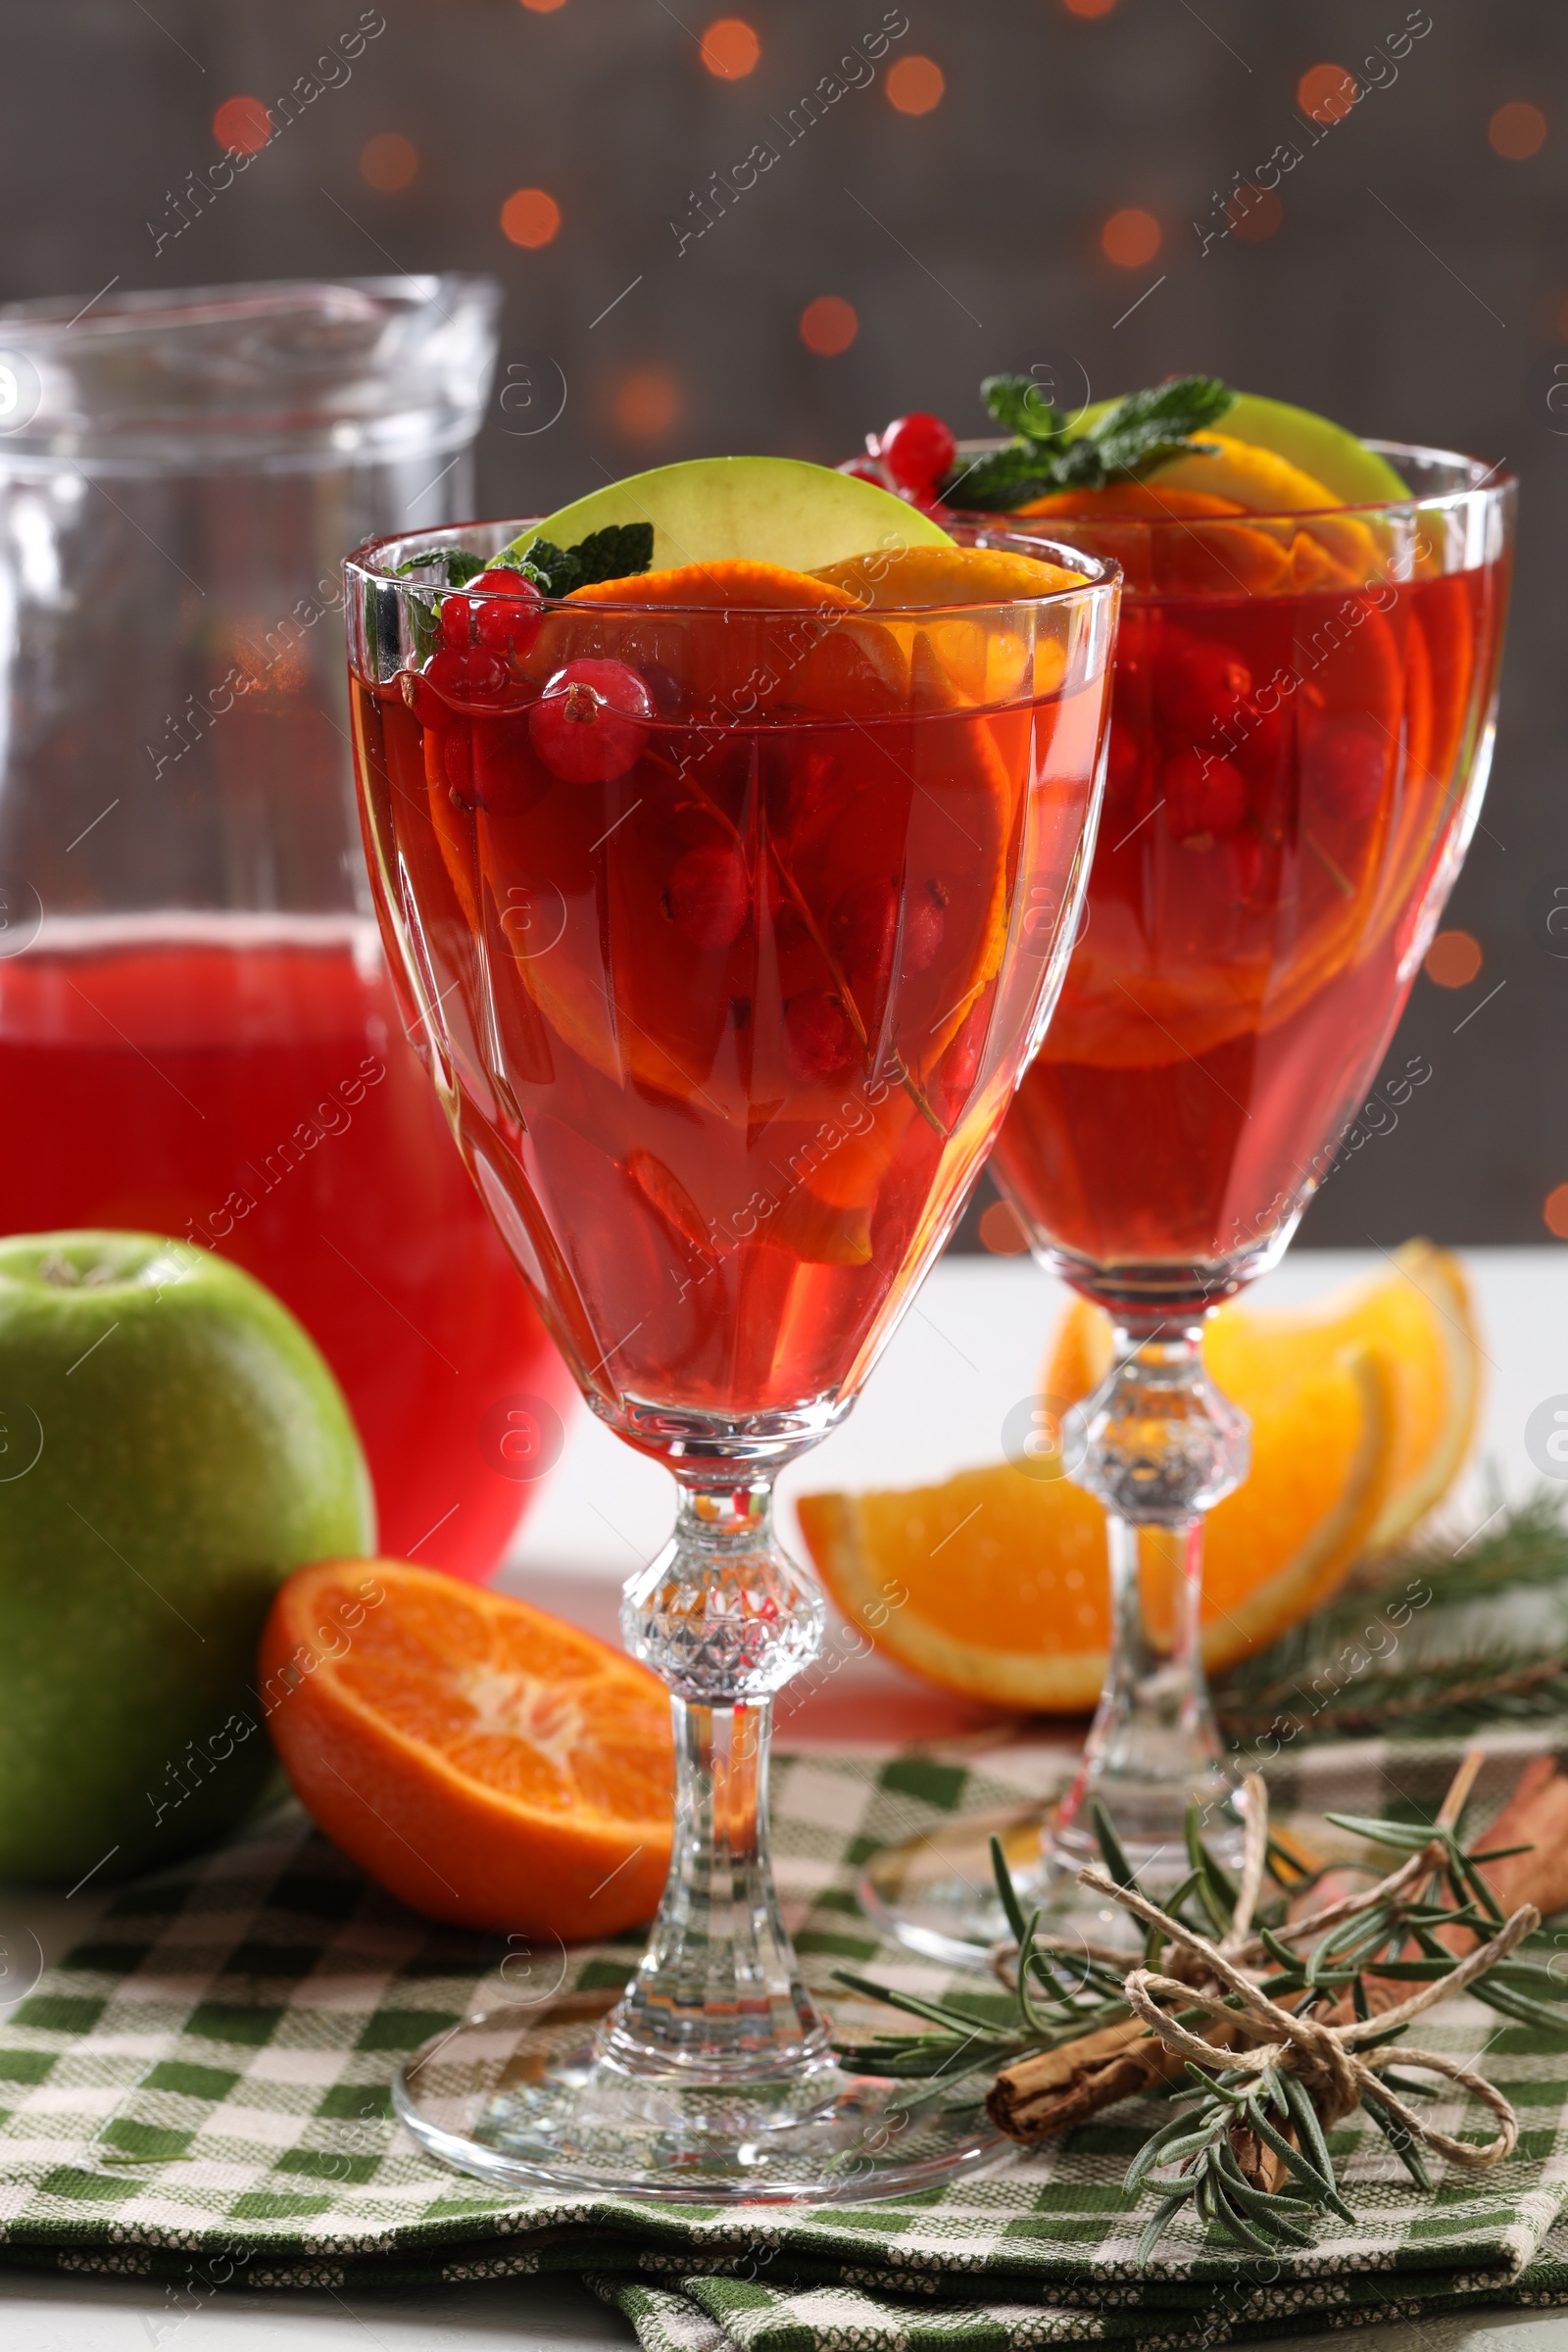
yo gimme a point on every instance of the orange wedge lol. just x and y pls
(996, 1583)
(946, 576)
(983, 661)
(727, 580)
(484, 1762)
(1419, 1319)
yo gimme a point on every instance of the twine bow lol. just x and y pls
(1325, 2059)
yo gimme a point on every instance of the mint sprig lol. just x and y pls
(457, 563)
(1128, 442)
(612, 552)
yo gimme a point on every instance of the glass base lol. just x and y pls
(520, 2100)
(936, 1895)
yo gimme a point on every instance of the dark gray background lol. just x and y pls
(1433, 310)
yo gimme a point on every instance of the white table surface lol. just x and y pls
(969, 1351)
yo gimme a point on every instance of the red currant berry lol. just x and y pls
(861, 931)
(1262, 748)
(1199, 686)
(670, 695)
(590, 723)
(467, 678)
(498, 609)
(864, 927)
(506, 616)
(819, 1040)
(917, 451)
(865, 469)
(1204, 799)
(709, 895)
(1345, 768)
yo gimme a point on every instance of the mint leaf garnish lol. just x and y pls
(612, 552)
(1129, 441)
(459, 563)
(1017, 403)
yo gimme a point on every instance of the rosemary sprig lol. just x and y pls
(1058, 1989)
(1273, 2021)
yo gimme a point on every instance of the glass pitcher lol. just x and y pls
(196, 1032)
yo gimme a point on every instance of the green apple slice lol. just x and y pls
(762, 510)
(1313, 444)
(1318, 447)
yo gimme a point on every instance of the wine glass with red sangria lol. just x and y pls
(1305, 681)
(727, 832)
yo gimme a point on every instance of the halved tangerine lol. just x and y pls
(486, 1763)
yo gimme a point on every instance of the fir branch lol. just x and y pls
(1404, 1644)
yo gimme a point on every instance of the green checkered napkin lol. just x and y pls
(199, 2093)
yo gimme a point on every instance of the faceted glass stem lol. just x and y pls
(1161, 1445)
(725, 1618)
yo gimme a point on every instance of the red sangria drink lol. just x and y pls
(244, 1082)
(727, 833)
(1304, 686)
(1294, 772)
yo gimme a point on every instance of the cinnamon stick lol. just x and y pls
(1056, 2089)
(1536, 1816)
(1052, 2092)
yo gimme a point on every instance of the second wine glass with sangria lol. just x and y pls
(1303, 698)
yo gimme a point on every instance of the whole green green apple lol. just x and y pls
(171, 1445)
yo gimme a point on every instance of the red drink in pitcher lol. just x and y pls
(244, 1082)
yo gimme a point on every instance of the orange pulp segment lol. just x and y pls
(484, 1762)
(876, 768)
(1132, 502)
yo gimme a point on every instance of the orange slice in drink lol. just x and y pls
(1183, 953)
(484, 1762)
(746, 893)
(908, 576)
(1136, 502)
(1239, 478)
